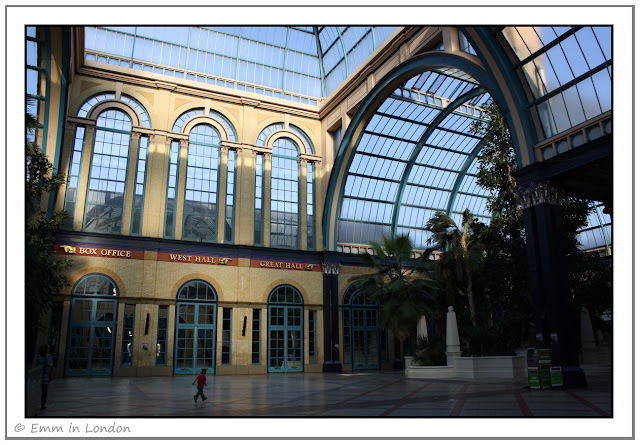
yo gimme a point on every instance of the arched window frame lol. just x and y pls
(84, 142)
(177, 178)
(119, 175)
(305, 233)
(296, 293)
(200, 284)
(114, 294)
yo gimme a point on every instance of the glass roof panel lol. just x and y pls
(409, 162)
(564, 67)
(596, 234)
(293, 62)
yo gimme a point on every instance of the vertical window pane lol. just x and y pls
(258, 207)
(138, 194)
(255, 337)
(128, 324)
(172, 188)
(161, 341)
(201, 191)
(284, 194)
(108, 174)
(230, 202)
(312, 336)
(226, 336)
(310, 207)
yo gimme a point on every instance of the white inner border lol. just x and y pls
(17, 17)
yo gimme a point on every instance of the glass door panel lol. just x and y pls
(358, 348)
(78, 357)
(204, 349)
(285, 339)
(92, 331)
(184, 351)
(365, 339)
(195, 338)
(276, 350)
(294, 350)
(372, 349)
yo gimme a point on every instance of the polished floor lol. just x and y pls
(376, 394)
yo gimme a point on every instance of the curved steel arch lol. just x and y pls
(420, 144)
(406, 70)
(524, 139)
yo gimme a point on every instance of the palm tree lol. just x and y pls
(461, 253)
(400, 283)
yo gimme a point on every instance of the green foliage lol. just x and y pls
(505, 277)
(430, 352)
(461, 259)
(404, 286)
(45, 274)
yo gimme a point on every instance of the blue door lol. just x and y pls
(195, 345)
(364, 342)
(92, 337)
(92, 327)
(365, 339)
(286, 353)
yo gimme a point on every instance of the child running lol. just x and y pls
(202, 382)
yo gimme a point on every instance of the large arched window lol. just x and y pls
(195, 328)
(285, 190)
(112, 147)
(92, 326)
(285, 329)
(108, 175)
(201, 191)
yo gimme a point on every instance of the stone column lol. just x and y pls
(180, 189)
(550, 292)
(331, 322)
(134, 144)
(83, 180)
(452, 338)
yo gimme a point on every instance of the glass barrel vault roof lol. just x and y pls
(288, 62)
(416, 156)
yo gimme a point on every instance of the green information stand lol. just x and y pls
(556, 376)
(534, 377)
(545, 374)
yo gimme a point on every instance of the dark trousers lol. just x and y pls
(43, 397)
(200, 393)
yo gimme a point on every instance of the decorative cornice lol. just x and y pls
(330, 268)
(538, 193)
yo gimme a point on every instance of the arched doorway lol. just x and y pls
(285, 330)
(92, 326)
(196, 310)
(365, 344)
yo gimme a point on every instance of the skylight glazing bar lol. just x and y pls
(323, 82)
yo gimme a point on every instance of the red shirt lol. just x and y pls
(202, 379)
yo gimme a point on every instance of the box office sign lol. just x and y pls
(101, 252)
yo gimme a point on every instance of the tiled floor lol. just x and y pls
(375, 394)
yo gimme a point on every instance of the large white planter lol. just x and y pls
(494, 367)
(473, 368)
